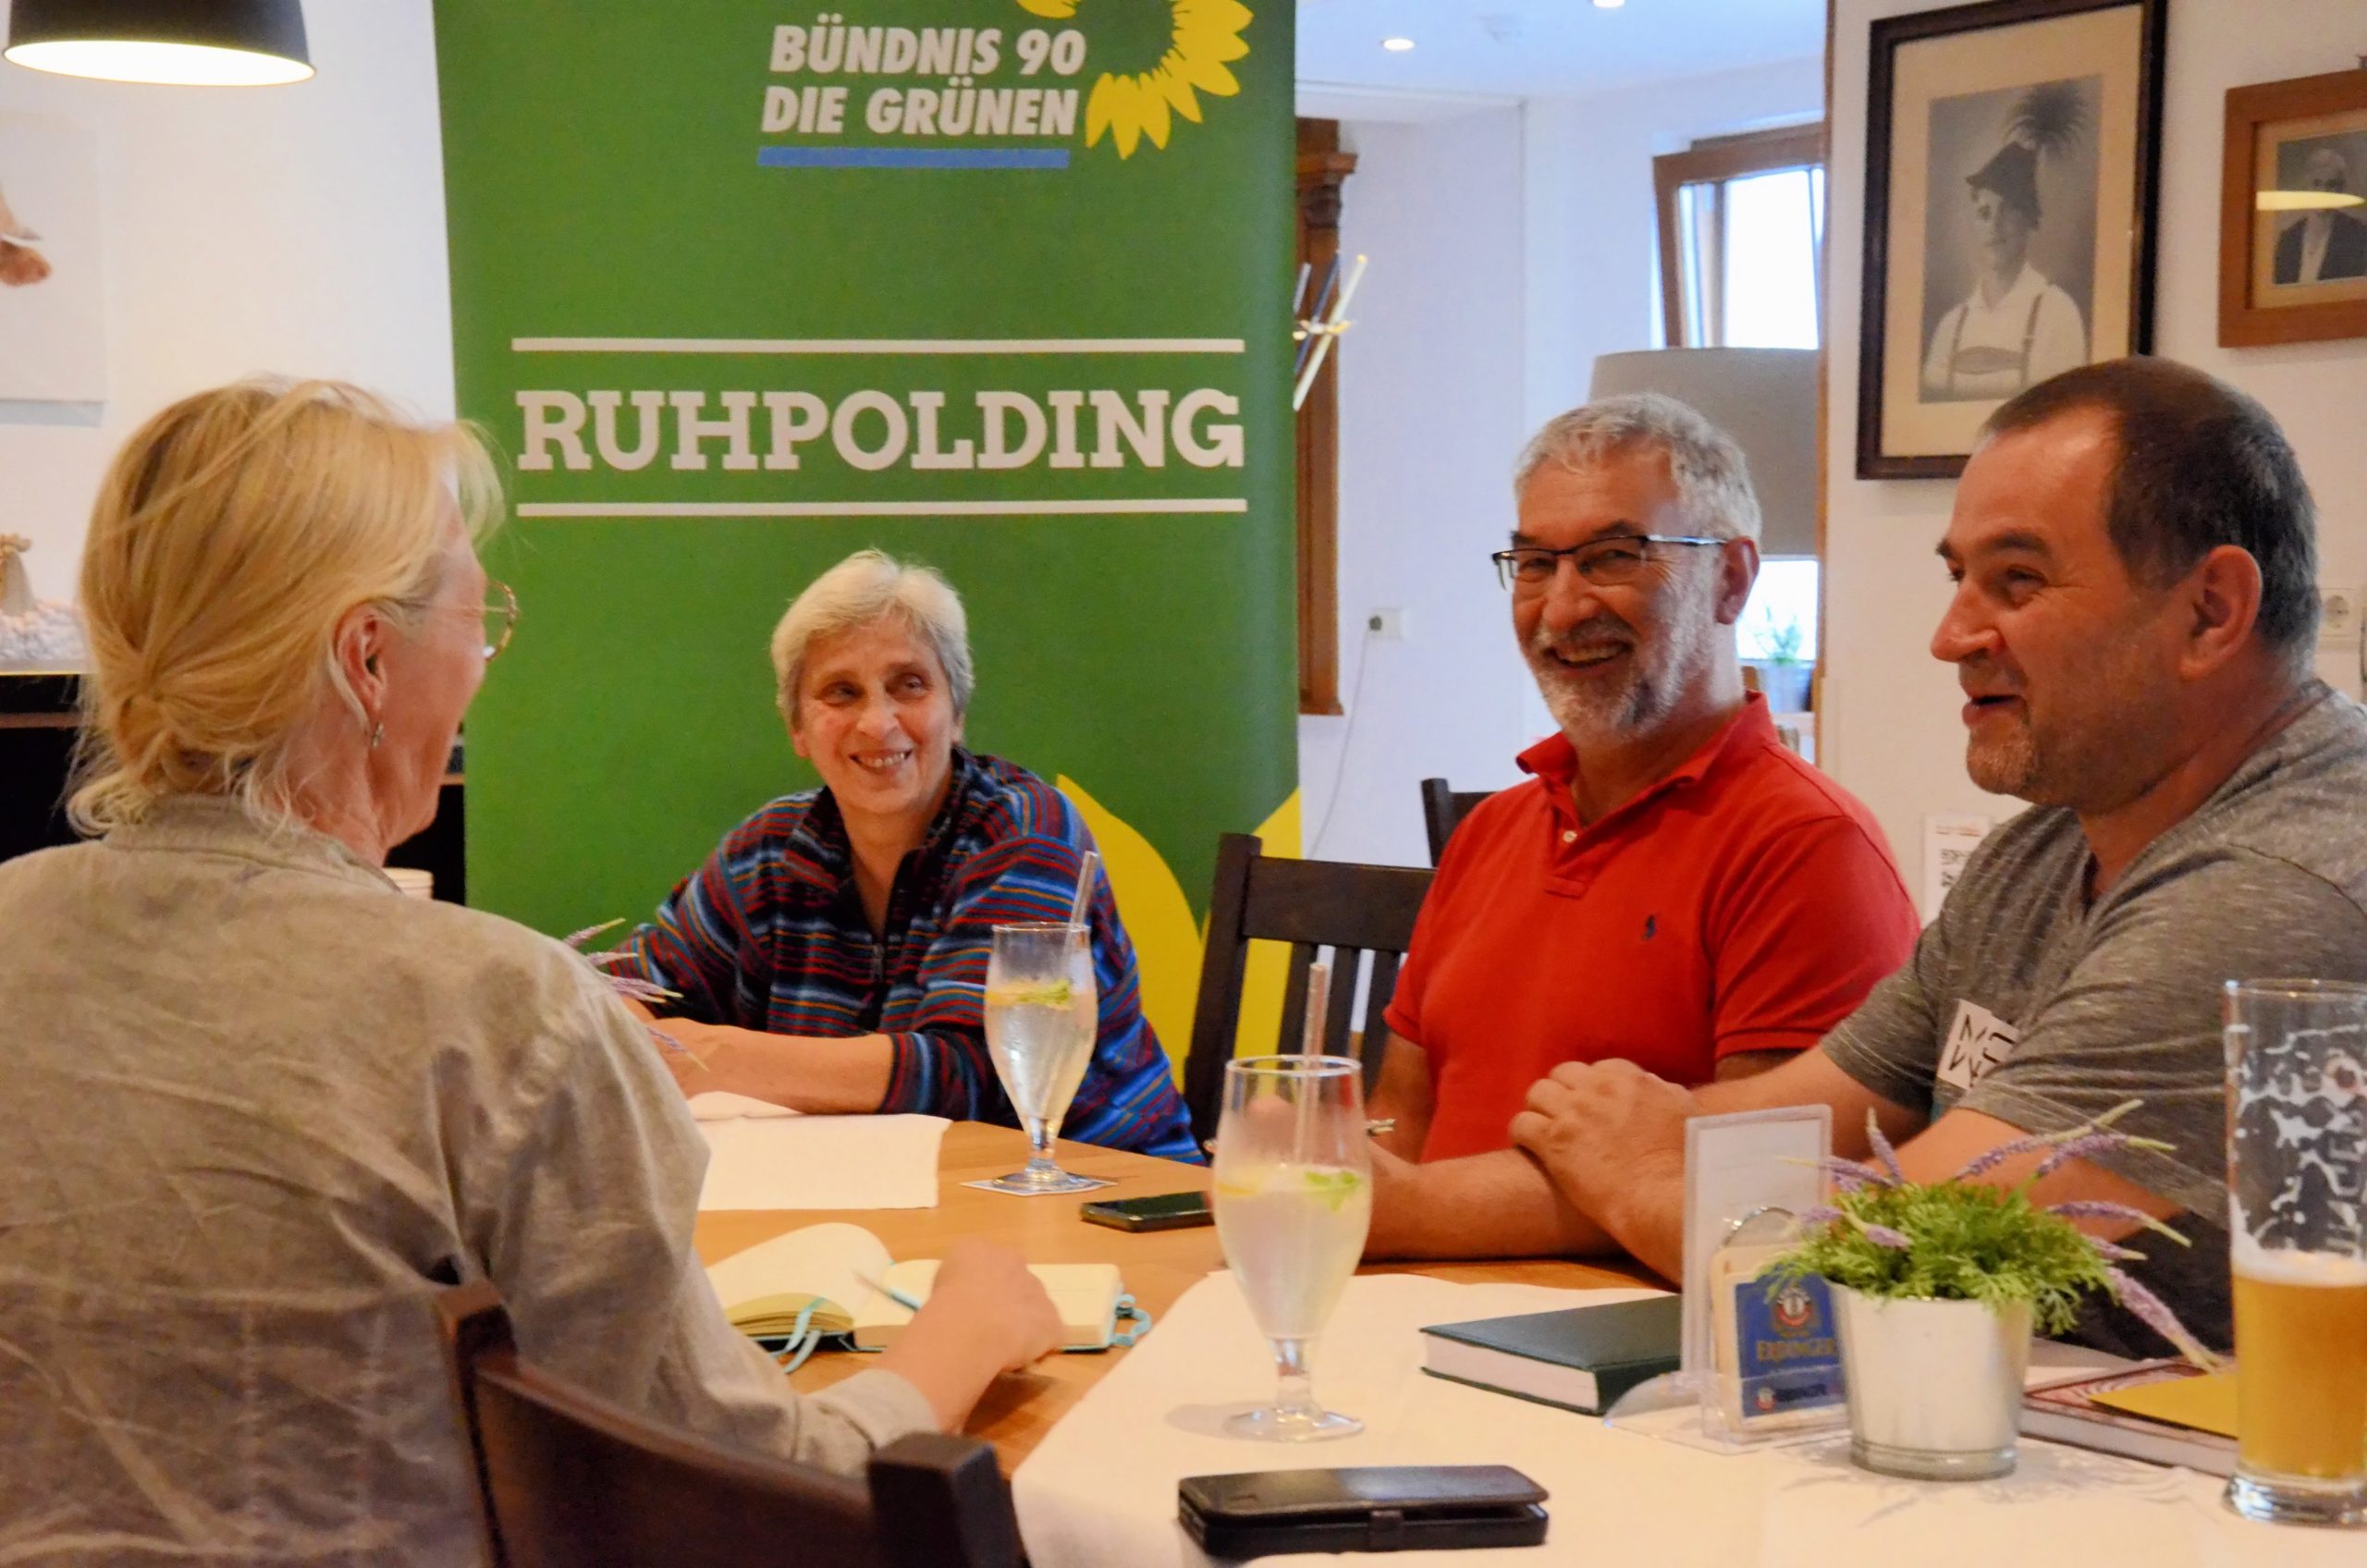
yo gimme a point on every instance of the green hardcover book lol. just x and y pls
(1581, 1358)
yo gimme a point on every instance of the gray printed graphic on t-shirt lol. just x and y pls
(2028, 1003)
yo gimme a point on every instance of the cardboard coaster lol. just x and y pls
(1087, 1184)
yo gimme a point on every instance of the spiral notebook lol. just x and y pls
(832, 1268)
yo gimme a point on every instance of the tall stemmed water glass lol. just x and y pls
(1294, 1200)
(1043, 1016)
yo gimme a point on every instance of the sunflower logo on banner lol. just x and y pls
(1133, 106)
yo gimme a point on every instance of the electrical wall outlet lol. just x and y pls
(2339, 611)
(1389, 625)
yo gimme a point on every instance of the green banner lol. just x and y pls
(1000, 284)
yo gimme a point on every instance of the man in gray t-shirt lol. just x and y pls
(2033, 1004)
(2133, 623)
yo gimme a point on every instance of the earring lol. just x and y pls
(377, 733)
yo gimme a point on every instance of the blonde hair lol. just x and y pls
(231, 535)
(871, 585)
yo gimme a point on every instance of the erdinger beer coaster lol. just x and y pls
(1785, 1350)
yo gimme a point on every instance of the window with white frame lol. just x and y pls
(1742, 236)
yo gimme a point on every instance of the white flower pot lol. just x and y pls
(1935, 1387)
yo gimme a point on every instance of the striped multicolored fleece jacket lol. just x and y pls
(769, 934)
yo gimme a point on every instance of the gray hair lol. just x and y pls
(867, 586)
(1713, 480)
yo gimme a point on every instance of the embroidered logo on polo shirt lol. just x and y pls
(1651, 924)
(1978, 1040)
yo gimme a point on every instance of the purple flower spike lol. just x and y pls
(1824, 1214)
(2096, 1208)
(1884, 1236)
(2079, 1148)
(2113, 1252)
(577, 938)
(2156, 1315)
(1848, 1175)
(1883, 1152)
(2000, 1155)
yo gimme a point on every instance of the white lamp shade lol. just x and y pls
(1765, 398)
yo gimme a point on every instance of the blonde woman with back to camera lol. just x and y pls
(261, 1106)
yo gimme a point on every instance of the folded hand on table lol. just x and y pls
(1611, 1137)
(985, 1315)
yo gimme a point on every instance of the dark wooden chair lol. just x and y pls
(1442, 809)
(569, 1480)
(1355, 911)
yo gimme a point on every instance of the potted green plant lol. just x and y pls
(1937, 1286)
(1783, 674)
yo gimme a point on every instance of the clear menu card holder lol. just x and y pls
(1745, 1175)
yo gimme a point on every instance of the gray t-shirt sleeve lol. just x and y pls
(2139, 1016)
(586, 1232)
(1891, 1044)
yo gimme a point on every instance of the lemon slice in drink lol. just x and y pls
(1335, 1187)
(1048, 993)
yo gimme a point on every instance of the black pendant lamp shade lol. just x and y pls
(194, 42)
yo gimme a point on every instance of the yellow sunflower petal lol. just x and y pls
(1097, 106)
(1158, 916)
(1151, 109)
(1125, 114)
(1207, 75)
(1179, 91)
(1058, 10)
(1210, 29)
(1228, 15)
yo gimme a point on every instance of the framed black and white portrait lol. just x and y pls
(2293, 211)
(2012, 150)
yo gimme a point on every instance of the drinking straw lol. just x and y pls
(1318, 998)
(1319, 1002)
(1085, 870)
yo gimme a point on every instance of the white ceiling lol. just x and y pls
(1543, 48)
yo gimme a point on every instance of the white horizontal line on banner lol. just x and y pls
(875, 509)
(878, 345)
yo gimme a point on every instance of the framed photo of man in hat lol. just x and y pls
(2293, 211)
(2011, 157)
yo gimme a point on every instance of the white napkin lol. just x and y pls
(792, 1161)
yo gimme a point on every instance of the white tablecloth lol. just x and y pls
(1100, 1489)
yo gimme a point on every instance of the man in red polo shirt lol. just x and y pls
(1672, 886)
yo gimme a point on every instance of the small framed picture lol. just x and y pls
(2293, 211)
(2011, 172)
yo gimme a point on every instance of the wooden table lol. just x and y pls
(1158, 1266)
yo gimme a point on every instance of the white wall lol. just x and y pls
(1891, 729)
(1592, 245)
(1430, 416)
(1509, 248)
(296, 230)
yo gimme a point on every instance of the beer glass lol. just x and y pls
(1293, 1188)
(2297, 1156)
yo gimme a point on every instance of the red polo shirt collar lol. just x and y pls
(1555, 760)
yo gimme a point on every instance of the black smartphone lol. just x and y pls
(1372, 1508)
(1167, 1211)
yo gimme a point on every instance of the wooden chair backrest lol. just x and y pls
(1360, 913)
(1443, 809)
(566, 1479)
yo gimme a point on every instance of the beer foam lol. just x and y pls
(2280, 1266)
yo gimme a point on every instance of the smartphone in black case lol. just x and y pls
(1167, 1211)
(1367, 1508)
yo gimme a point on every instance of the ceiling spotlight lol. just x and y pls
(1397, 45)
(221, 43)
(1609, 4)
